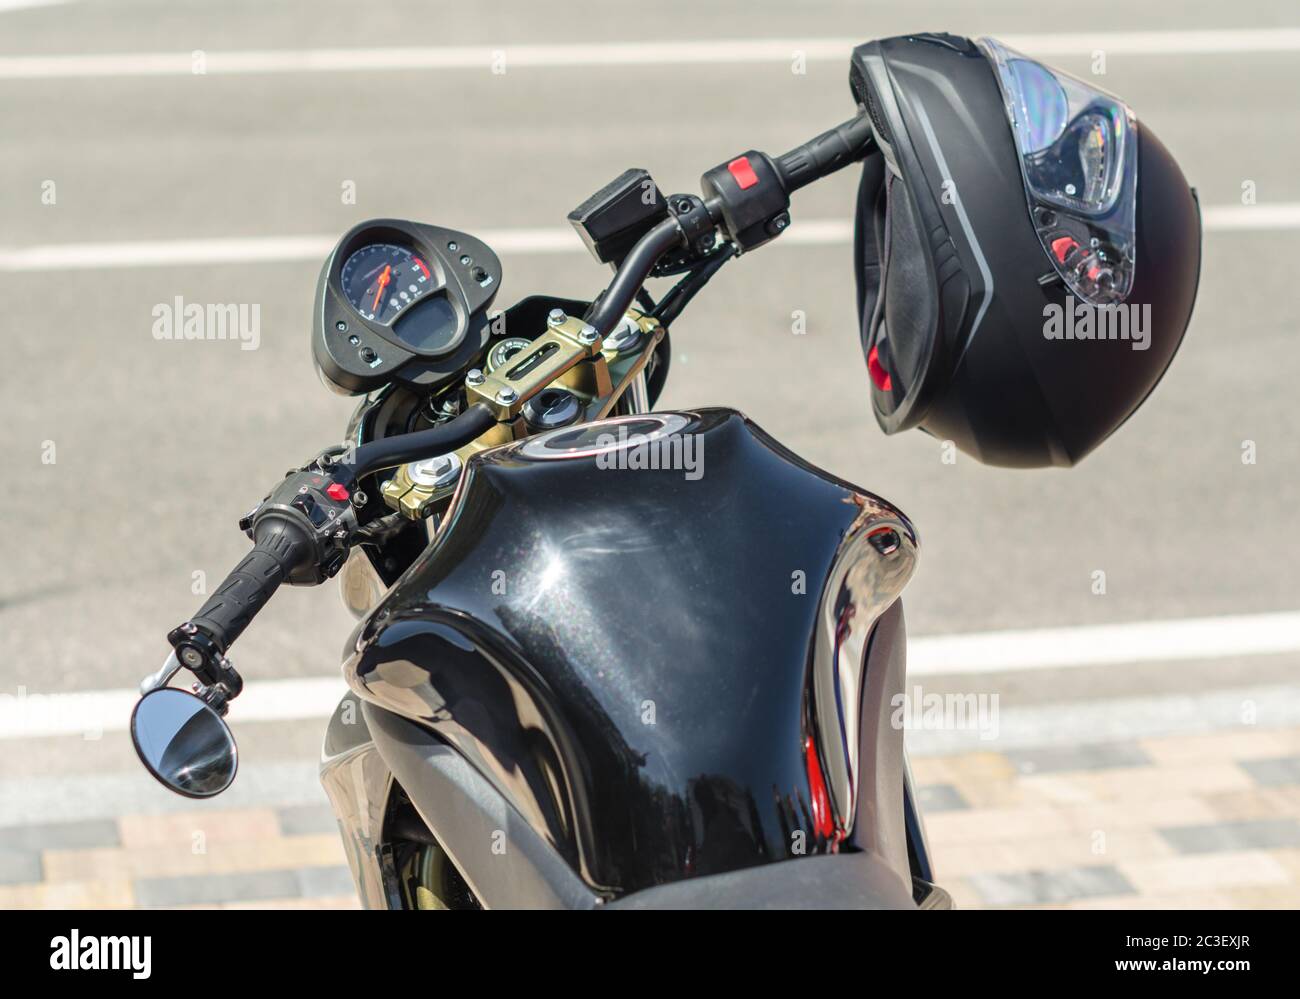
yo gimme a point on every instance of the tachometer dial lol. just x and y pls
(382, 280)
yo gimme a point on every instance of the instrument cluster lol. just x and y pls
(401, 301)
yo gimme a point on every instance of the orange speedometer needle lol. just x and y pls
(383, 283)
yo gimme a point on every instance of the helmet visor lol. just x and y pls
(1078, 156)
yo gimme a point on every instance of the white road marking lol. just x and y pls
(489, 58)
(1282, 215)
(268, 783)
(30, 715)
(244, 250)
(165, 253)
(1111, 720)
(87, 796)
(558, 239)
(8, 5)
(1106, 645)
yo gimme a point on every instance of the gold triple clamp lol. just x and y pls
(571, 355)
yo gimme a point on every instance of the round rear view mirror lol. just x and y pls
(184, 743)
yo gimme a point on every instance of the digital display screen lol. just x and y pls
(428, 326)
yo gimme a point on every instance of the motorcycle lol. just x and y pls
(614, 657)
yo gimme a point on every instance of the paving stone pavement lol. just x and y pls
(1189, 821)
(234, 858)
(1126, 825)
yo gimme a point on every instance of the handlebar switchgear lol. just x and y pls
(301, 533)
(752, 191)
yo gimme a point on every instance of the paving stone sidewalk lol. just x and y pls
(277, 858)
(1203, 821)
(1179, 822)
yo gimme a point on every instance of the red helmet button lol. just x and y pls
(1061, 247)
(877, 370)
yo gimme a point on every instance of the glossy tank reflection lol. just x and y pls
(667, 671)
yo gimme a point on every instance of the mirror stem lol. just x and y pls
(164, 675)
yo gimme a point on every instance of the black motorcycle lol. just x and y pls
(615, 657)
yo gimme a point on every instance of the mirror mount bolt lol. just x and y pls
(216, 697)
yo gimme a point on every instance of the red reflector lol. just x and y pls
(1061, 247)
(337, 491)
(823, 821)
(877, 370)
(743, 172)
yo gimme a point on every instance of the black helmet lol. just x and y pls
(1027, 253)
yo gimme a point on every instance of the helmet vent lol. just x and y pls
(877, 118)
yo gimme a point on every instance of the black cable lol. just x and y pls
(658, 376)
(672, 304)
(645, 300)
(382, 529)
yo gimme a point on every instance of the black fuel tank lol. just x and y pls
(654, 635)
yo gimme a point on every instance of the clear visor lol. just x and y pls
(1078, 155)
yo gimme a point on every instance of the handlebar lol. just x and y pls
(632, 274)
(388, 452)
(748, 197)
(302, 531)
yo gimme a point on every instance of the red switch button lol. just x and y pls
(1062, 246)
(337, 491)
(743, 172)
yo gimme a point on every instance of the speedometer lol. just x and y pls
(382, 279)
(401, 301)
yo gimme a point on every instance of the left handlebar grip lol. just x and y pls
(281, 546)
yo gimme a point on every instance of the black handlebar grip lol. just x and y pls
(281, 547)
(830, 151)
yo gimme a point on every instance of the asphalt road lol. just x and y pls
(159, 446)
